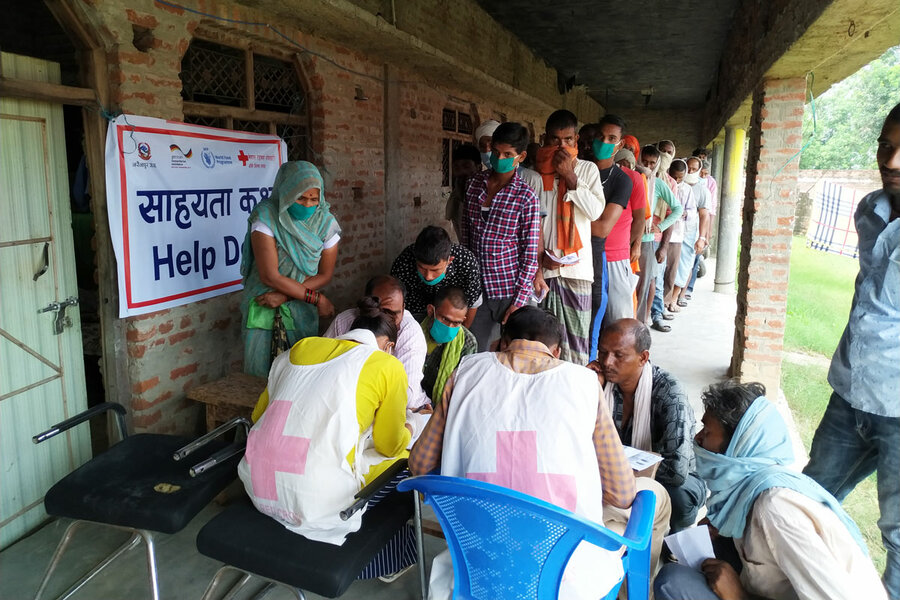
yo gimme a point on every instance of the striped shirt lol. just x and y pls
(504, 236)
(529, 357)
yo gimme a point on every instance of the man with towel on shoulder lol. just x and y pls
(571, 196)
(652, 413)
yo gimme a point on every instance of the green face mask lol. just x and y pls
(603, 150)
(502, 165)
(299, 212)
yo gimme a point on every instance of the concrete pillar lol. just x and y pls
(717, 158)
(729, 210)
(768, 219)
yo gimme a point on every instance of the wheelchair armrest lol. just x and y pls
(207, 437)
(363, 495)
(118, 411)
(218, 457)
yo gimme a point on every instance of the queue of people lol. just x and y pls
(529, 338)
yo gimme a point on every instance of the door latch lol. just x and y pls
(62, 321)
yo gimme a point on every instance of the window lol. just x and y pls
(240, 89)
(458, 129)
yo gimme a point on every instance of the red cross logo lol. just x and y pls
(517, 470)
(243, 158)
(270, 450)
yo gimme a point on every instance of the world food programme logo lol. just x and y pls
(208, 158)
(144, 150)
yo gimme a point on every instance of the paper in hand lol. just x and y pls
(691, 546)
(640, 460)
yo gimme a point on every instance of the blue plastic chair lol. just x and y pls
(505, 544)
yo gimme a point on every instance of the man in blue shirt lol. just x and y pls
(860, 431)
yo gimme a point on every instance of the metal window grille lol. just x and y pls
(217, 122)
(296, 138)
(214, 74)
(464, 124)
(276, 86)
(448, 120)
(251, 126)
(445, 162)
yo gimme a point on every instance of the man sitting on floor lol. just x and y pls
(410, 348)
(433, 263)
(447, 340)
(524, 406)
(793, 538)
(651, 412)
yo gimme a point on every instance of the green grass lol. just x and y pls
(819, 296)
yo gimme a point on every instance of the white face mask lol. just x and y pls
(665, 161)
(692, 178)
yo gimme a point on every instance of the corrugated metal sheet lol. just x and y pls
(41, 374)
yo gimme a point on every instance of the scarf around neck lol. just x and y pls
(567, 238)
(754, 462)
(640, 418)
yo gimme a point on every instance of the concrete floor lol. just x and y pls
(697, 351)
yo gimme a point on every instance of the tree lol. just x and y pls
(849, 116)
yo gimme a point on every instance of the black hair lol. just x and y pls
(699, 151)
(678, 165)
(432, 245)
(454, 295)
(561, 119)
(514, 134)
(375, 319)
(467, 152)
(729, 400)
(649, 150)
(534, 324)
(634, 328)
(894, 115)
(387, 280)
(697, 158)
(610, 119)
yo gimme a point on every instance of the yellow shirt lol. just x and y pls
(380, 396)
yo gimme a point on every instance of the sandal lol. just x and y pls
(660, 326)
(682, 302)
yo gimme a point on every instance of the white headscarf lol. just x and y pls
(486, 129)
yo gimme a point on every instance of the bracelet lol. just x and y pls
(311, 297)
(703, 238)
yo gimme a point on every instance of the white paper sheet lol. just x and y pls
(691, 546)
(640, 460)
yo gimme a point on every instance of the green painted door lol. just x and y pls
(41, 370)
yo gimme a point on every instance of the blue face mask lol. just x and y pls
(486, 159)
(502, 165)
(603, 150)
(441, 333)
(434, 281)
(299, 212)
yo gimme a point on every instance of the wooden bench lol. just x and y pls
(234, 395)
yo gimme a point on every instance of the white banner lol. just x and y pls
(178, 197)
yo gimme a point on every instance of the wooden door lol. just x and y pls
(41, 370)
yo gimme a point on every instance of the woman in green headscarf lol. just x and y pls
(289, 254)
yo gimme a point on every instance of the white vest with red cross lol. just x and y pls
(295, 468)
(533, 432)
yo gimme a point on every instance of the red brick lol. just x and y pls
(181, 336)
(143, 420)
(166, 327)
(142, 386)
(183, 371)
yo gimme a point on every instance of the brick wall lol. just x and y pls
(170, 351)
(768, 217)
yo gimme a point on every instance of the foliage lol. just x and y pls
(849, 116)
(820, 290)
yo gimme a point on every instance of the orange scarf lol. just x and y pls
(567, 238)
